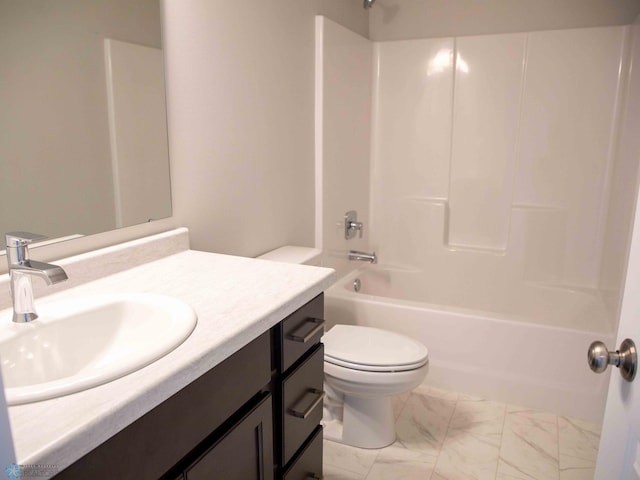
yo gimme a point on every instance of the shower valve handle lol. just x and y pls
(351, 225)
(626, 359)
(357, 226)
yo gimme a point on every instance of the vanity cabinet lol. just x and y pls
(300, 357)
(256, 415)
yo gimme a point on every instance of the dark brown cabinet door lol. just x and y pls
(244, 453)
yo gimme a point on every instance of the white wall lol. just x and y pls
(406, 19)
(493, 153)
(343, 133)
(413, 85)
(624, 181)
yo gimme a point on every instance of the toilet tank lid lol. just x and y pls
(292, 254)
(372, 346)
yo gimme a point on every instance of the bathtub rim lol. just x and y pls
(340, 289)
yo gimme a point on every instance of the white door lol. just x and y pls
(619, 454)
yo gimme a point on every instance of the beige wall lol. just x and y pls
(240, 106)
(240, 89)
(406, 19)
(348, 13)
(247, 187)
(54, 135)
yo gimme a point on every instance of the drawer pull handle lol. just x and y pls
(295, 412)
(313, 476)
(304, 338)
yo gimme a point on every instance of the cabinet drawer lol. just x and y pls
(301, 331)
(244, 453)
(302, 395)
(308, 464)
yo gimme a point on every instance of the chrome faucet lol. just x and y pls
(363, 256)
(21, 269)
(351, 225)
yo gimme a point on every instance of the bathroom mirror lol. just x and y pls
(83, 139)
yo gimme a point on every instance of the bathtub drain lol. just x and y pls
(356, 285)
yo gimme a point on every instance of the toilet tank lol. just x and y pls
(293, 254)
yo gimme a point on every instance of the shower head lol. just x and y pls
(368, 3)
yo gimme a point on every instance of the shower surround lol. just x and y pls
(494, 166)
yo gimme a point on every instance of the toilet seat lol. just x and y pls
(374, 368)
(373, 350)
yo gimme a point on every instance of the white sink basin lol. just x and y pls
(83, 342)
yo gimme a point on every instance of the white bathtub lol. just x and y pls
(525, 345)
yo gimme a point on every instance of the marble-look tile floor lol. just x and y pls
(448, 436)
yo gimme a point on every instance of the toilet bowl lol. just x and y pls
(364, 368)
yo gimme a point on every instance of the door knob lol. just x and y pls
(626, 359)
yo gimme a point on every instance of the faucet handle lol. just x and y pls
(22, 239)
(17, 244)
(351, 225)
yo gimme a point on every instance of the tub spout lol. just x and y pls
(363, 256)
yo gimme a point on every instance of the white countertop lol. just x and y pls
(236, 299)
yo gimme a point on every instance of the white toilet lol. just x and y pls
(363, 367)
